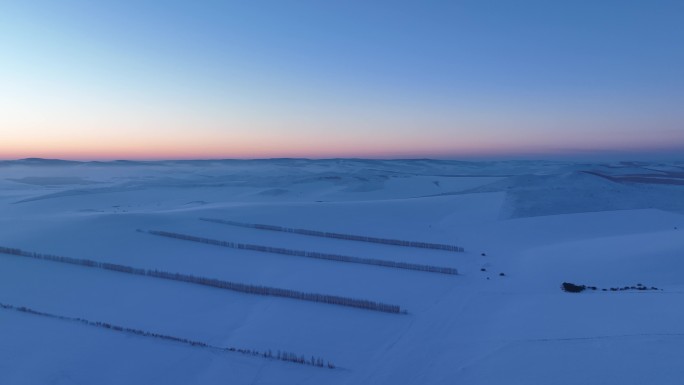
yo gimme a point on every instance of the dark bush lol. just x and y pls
(572, 288)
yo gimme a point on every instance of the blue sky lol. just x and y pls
(165, 79)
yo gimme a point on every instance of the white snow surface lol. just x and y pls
(540, 223)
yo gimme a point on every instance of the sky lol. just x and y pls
(138, 79)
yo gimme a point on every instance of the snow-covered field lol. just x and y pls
(502, 320)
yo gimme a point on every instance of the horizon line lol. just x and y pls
(607, 157)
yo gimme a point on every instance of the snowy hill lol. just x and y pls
(526, 227)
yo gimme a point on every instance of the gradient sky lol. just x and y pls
(251, 79)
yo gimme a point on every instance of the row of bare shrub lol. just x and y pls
(221, 284)
(309, 254)
(283, 356)
(349, 237)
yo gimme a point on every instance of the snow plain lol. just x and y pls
(540, 223)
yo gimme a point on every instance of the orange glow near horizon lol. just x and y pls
(220, 148)
(177, 137)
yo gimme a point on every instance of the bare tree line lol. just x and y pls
(282, 356)
(349, 237)
(217, 283)
(309, 254)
